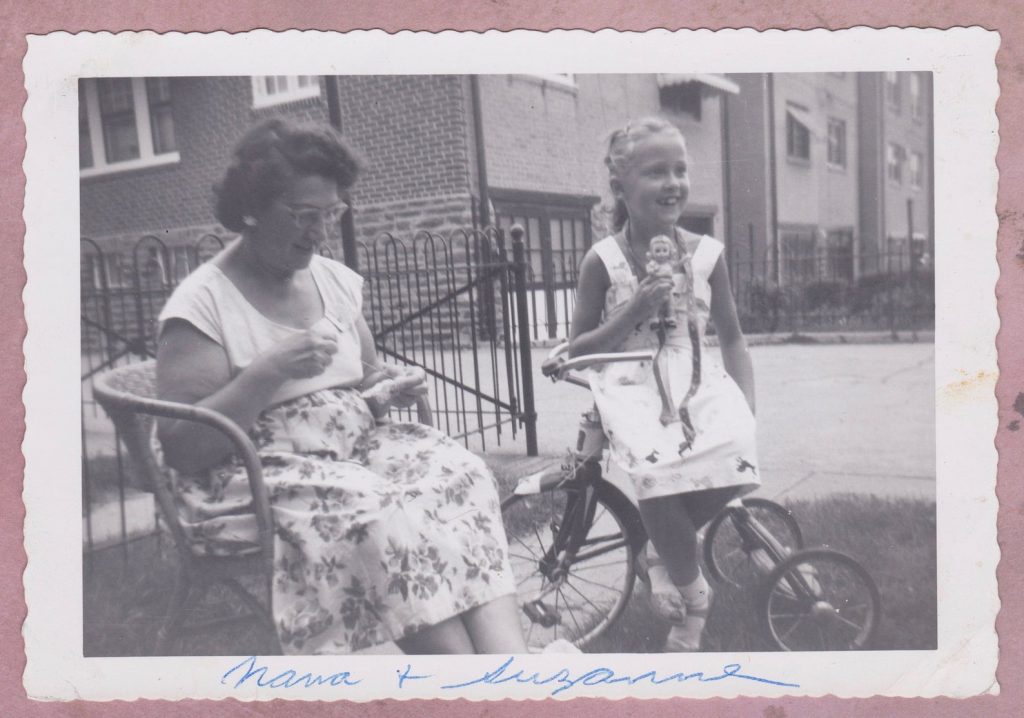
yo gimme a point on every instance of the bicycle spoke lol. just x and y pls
(540, 541)
(557, 613)
(583, 596)
(848, 622)
(572, 615)
(522, 543)
(526, 559)
(785, 635)
(592, 566)
(595, 583)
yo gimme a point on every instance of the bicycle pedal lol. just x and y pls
(539, 612)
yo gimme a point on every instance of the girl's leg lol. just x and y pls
(678, 577)
(674, 536)
(702, 506)
(449, 636)
(494, 627)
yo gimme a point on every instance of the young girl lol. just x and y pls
(682, 428)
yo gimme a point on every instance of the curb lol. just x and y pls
(755, 340)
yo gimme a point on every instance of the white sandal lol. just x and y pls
(666, 603)
(686, 637)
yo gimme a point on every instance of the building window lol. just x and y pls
(893, 98)
(558, 78)
(839, 254)
(682, 97)
(916, 106)
(836, 142)
(798, 256)
(270, 90)
(798, 133)
(895, 157)
(124, 123)
(916, 165)
(557, 236)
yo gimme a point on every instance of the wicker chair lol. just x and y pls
(128, 395)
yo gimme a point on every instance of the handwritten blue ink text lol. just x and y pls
(563, 680)
(286, 679)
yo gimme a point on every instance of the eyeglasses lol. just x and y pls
(308, 217)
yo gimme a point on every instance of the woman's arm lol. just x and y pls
(588, 335)
(730, 337)
(193, 369)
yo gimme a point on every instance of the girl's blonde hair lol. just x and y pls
(620, 147)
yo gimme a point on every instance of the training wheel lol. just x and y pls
(820, 600)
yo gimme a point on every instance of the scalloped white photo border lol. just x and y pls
(966, 139)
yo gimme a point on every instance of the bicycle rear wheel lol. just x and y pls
(820, 600)
(728, 559)
(567, 588)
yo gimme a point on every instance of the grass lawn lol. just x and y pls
(893, 539)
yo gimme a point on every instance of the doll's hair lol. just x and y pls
(621, 143)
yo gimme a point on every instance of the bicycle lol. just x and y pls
(574, 539)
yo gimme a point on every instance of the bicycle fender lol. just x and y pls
(540, 481)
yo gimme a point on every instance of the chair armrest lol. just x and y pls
(115, 401)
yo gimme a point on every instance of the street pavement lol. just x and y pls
(832, 418)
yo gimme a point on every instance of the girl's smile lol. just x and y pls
(656, 184)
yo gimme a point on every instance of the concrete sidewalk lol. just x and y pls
(832, 418)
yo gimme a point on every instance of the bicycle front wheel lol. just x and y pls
(572, 584)
(728, 558)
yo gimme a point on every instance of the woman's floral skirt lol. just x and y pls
(380, 530)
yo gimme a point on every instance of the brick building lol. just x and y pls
(442, 152)
(796, 172)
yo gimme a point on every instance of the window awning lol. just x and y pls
(805, 118)
(715, 82)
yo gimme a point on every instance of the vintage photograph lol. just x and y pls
(510, 365)
(507, 363)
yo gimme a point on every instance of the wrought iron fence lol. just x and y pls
(826, 291)
(451, 305)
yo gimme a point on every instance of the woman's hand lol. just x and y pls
(304, 355)
(393, 386)
(409, 386)
(651, 294)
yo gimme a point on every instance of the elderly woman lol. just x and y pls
(383, 531)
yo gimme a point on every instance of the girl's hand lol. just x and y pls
(304, 355)
(650, 296)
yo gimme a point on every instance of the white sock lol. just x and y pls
(698, 599)
(696, 593)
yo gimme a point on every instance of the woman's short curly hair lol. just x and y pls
(269, 156)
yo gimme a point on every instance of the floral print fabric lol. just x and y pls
(379, 530)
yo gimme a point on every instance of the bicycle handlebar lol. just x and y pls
(557, 364)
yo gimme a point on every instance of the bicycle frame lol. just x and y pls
(578, 516)
(753, 535)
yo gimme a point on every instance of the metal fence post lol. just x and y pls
(913, 261)
(529, 413)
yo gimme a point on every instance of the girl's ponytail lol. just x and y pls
(619, 215)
